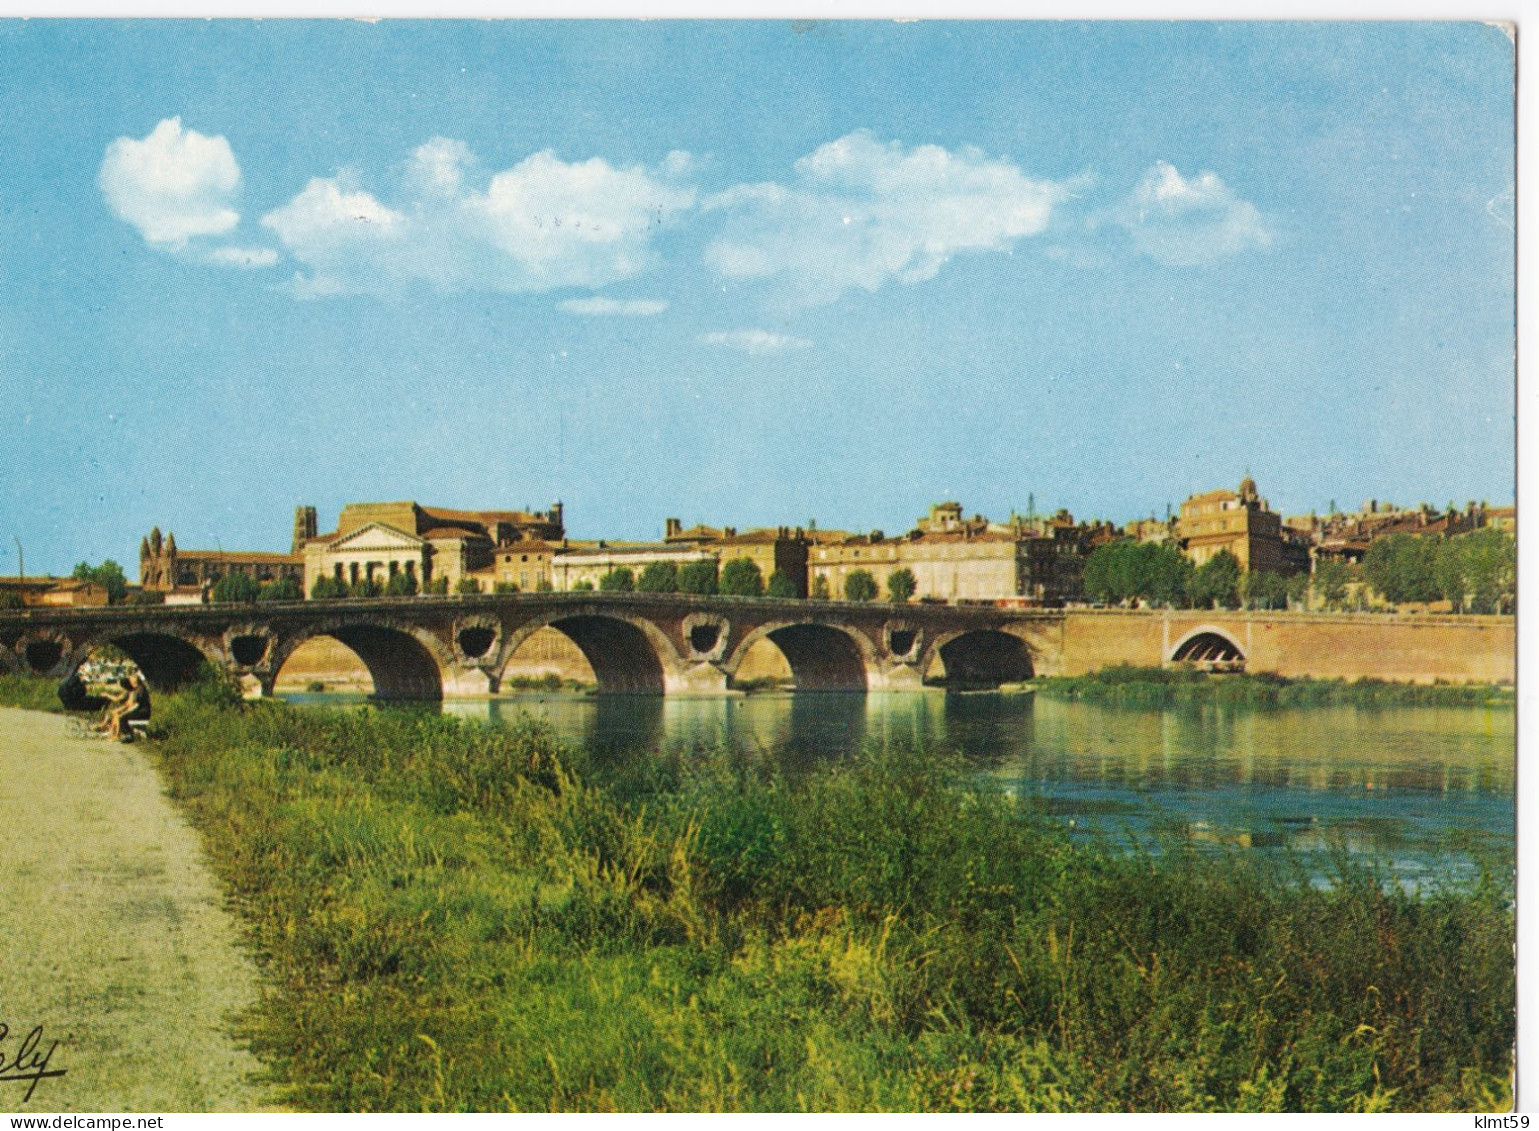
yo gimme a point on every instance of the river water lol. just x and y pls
(1425, 790)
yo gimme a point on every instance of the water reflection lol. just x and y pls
(1423, 787)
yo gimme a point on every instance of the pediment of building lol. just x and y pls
(376, 536)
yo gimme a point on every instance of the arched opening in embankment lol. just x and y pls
(985, 658)
(1210, 649)
(815, 657)
(399, 664)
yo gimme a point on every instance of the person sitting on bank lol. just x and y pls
(134, 708)
(116, 696)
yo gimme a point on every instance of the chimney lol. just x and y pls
(671, 527)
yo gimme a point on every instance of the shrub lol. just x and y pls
(236, 588)
(618, 580)
(147, 597)
(583, 586)
(437, 586)
(467, 586)
(366, 588)
(328, 587)
(698, 577)
(281, 589)
(401, 584)
(781, 584)
(659, 577)
(860, 586)
(901, 585)
(505, 587)
(741, 578)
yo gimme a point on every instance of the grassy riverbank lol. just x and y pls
(1180, 687)
(452, 915)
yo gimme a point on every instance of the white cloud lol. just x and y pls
(631, 308)
(754, 341)
(247, 258)
(863, 213)
(542, 224)
(173, 185)
(1184, 222)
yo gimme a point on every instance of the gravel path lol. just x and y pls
(113, 936)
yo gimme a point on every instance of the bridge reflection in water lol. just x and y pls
(1422, 787)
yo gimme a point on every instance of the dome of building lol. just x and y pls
(1248, 488)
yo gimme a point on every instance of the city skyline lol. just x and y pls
(840, 271)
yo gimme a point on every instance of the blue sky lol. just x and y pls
(743, 273)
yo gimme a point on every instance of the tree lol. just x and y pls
(781, 584)
(659, 577)
(901, 585)
(281, 589)
(365, 588)
(583, 586)
(1330, 583)
(1403, 568)
(1265, 589)
(1478, 571)
(698, 576)
(820, 588)
(437, 586)
(1217, 582)
(401, 584)
(327, 587)
(236, 588)
(10, 599)
(467, 586)
(618, 580)
(109, 575)
(860, 586)
(1128, 570)
(505, 587)
(741, 578)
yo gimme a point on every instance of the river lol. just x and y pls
(1426, 790)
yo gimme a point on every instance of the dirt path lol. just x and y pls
(112, 934)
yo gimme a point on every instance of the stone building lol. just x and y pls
(379, 540)
(55, 592)
(1242, 523)
(585, 566)
(187, 574)
(954, 558)
(770, 548)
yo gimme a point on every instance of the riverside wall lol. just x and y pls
(1415, 648)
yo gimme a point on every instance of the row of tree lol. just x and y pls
(1475, 572)
(1156, 573)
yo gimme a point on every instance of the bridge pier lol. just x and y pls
(695, 679)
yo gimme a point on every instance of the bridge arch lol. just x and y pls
(823, 657)
(1207, 644)
(629, 655)
(982, 657)
(404, 661)
(167, 658)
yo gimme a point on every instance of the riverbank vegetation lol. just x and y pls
(452, 915)
(1125, 685)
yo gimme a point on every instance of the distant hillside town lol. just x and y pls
(1224, 547)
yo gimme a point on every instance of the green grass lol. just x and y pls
(34, 693)
(455, 916)
(1180, 687)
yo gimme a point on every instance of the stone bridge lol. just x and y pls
(642, 643)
